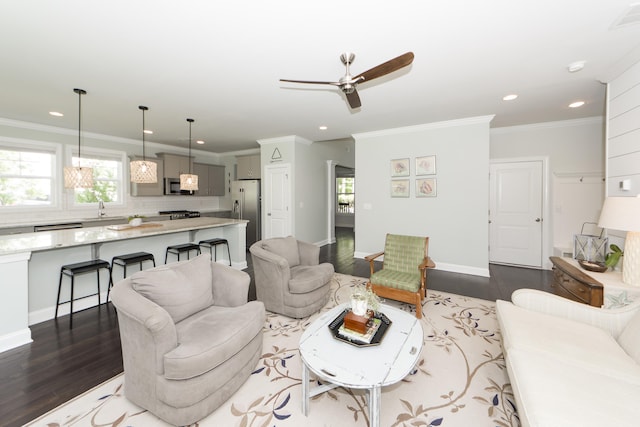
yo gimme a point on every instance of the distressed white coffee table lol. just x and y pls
(340, 364)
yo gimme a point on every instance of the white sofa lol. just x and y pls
(571, 364)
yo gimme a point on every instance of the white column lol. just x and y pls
(331, 201)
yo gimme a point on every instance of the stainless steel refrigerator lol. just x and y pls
(245, 199)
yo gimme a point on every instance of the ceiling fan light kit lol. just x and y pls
(348, 83)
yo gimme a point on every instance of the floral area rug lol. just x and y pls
(460, 379)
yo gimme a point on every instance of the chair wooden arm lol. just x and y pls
(427, 263)
(371, 258)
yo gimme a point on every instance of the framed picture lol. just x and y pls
(399, 188)
(400, 167)
(426, 187)
(426, 165)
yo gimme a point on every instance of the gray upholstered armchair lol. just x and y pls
(189, 337)
(289, 277)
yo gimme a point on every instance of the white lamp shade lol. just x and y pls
(143, 172)
(620, 213)
(78, 177)
(188, 182)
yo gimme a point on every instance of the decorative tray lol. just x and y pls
(379, 325)
(597, 267)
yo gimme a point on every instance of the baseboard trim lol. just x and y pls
(443, 266)
(15, 339)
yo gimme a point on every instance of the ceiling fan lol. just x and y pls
(348, 83)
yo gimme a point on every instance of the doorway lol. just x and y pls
(517, 207)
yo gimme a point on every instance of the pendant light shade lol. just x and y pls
(142, 171)
(77, 176)
(189, 181)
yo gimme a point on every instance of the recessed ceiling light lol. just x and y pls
(56, 114)
(575, 66)
(148, 132)
(509, 97)
(576, 104)
(323, 127)
(200, 142)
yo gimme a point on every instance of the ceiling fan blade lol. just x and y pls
(354, 99)
(310, 82)
(386, 68)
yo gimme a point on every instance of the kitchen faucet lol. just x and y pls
(101, 211)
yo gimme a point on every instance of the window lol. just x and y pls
(26, 176)
(345, 188)
(107, 177)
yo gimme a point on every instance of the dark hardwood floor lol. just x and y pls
(62, 363)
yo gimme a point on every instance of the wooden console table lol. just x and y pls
(575, 284)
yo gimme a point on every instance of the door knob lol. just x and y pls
(538, 219)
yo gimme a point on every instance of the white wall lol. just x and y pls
(17, 132)
(623, 138)
(575, 149)
(456, 220)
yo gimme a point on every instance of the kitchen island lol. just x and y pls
(30, 264)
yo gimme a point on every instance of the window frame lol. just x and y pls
(23, 145)
(102, 154)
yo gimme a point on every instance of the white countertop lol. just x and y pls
(30, 242)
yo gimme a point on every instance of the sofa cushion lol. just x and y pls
(181, 288)
(212, 336)
(307, 278)
(555, 392)
(563, 339)
(286, 247)
(629, 339)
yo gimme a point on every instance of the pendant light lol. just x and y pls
(78, 177)
(142, 171)
(189, 181)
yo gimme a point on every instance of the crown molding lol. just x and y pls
(548, 125)
(427, 126)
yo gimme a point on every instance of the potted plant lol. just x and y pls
(613, 257)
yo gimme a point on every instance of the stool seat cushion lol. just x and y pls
(215, 241)
(133, 257)
(83, 267)
(211, 337)
(182, 289)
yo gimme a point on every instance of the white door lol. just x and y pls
(277, 201)
(515, 217)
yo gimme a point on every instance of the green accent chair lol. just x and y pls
(403, 276)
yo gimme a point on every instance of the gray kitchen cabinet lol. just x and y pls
(210, 179)
(175, 164)
(248, 167)
(157, 189)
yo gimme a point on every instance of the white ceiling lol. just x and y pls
(219, 62)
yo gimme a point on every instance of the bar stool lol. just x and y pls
(212, 244)
(71, 270)
(128, 259)
(178, 249)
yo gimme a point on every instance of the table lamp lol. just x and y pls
(623, 213)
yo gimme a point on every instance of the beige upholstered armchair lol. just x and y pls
(189, 337)
(289, 277)
(403, 276)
